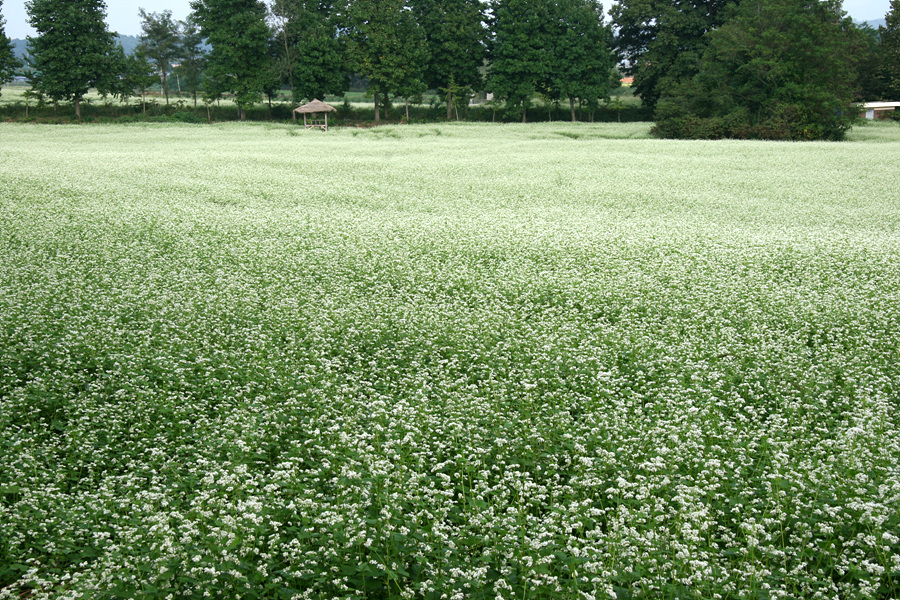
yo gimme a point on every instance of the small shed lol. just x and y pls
(879, 110)
(314, 109)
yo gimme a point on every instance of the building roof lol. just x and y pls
(882, 105)
(316, 106)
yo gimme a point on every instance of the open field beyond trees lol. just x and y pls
(447, 362)
(353, 108)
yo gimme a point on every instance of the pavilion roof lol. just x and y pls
(316, 106)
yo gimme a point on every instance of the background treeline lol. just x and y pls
(558, 53)
(775, 69)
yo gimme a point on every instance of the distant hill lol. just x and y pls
(128, 43)
(876, 23)
(19, 48)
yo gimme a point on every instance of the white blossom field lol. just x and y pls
(447, 362)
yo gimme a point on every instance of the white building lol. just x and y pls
(879, 110)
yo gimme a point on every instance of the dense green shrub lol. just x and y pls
(778, 69)
(187, 116)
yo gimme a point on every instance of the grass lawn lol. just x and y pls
(446, 362)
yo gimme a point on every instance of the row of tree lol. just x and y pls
(708, 68)
(559, 49)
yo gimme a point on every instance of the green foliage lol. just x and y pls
(310, 51)
(8, 61)
(778, 69)
(238, 62)
(664, 40)
(889, 52)
(160, 43)
(521, 51)
(73, 52)
(192, 59)
(387, 46)
(582, 58)
(870, 82)
(137, 76)
(559, 50)
(456, 38)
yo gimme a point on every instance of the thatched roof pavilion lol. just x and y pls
(314, 108)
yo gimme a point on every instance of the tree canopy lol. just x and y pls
(73, 50)
(310, 49)
(192, 61)
(387, 46)
(456, 38)
(889, 52)
(664, 40)
(137, 76)
(160, 43)
(777, 69)
(582, 61)
(521, 51)
(8, 61)
(238, 34)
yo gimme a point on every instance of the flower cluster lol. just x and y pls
(464, 361)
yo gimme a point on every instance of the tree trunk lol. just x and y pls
(377, 113)
(449, 98)
(572, 107)
(78, 107)
(524, 113)
(287, 56)
(165, 85)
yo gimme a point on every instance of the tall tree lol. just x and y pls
(310, 47)
(238, 34)
(387, 46)
(521, 51)
(456, 37)
(160, 42)
(8, 61)
(778, 69)
(582, 60)
(74, 51)
(889, 50)
(192, 60)
(870, 83)
(664, 40)
(135, 75)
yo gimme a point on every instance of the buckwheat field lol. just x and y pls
(447, 362)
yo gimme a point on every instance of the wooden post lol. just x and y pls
(304, 121)
(326, 120)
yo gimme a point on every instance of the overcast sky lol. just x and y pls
(122, 15)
